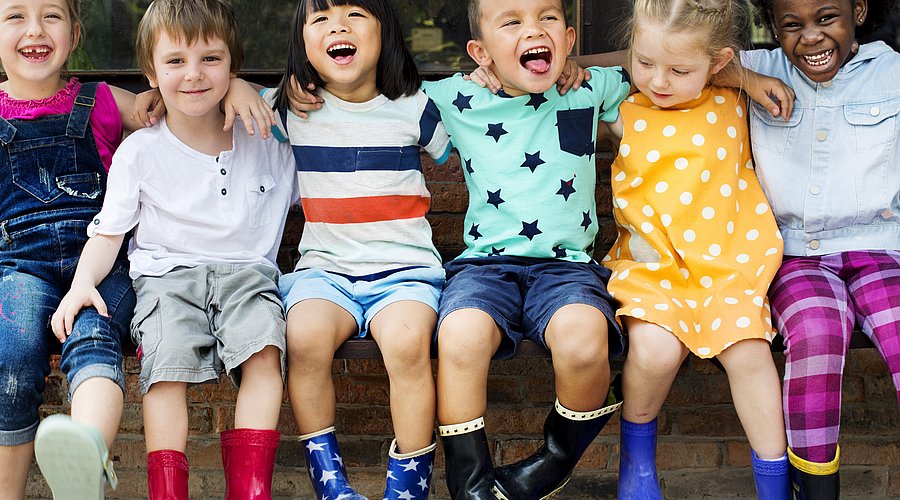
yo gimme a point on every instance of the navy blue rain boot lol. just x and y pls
(637, 461)
(467, 457)
(326, 466)
(771, 477)
(813, 480)
(409, 474)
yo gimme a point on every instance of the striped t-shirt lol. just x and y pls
(361, 184)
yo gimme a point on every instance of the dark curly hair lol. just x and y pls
(879, 11)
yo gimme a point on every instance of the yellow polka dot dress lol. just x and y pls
(697, 244)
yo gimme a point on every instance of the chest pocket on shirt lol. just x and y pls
(377, 168)
(875, 125)
(576, 131)
(260, 201)
(773, 133)
(46, 169)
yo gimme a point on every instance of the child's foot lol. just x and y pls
(73, 459)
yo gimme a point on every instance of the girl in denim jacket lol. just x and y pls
(832, 175)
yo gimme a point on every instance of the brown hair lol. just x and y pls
(188, 20)
(475, 17)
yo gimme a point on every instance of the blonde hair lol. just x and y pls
(718, 24)
(188, 21)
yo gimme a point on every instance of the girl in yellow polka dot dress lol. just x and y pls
(697, 243)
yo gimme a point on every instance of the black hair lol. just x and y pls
(878, 12)
(396, 72)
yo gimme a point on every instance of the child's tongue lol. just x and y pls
(537, 66)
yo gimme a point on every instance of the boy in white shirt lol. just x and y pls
(208, 208)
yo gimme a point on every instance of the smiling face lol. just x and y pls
(36, 39)
(672, 68)
(817, 36)
(524, 42)
(343, 44)
(192, 79)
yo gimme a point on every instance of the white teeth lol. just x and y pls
(538, 50)
(341, 46)
(819, 59)
(35, 51)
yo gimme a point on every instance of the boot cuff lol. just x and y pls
(633, 429)
(253, 437)
(463, 428)
(307, 437)
(815, 468)
(774, 467)
(167, 458)
(413, 454)
(580, 416)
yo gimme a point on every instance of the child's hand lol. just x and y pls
(78, 298)
(243, 100)
(485, 78)
(773, 94)
(303, 101)
(572, 77)
(148, 107)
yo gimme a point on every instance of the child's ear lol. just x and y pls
(722, 58)
(570, 39)
(76, 36)
(478, 52)
(860, 8)
(152, 80)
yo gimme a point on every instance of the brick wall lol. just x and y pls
(702, 450)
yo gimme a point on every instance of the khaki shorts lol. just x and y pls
(191, 324)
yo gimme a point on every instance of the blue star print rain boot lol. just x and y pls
(771, 477)
(326, 466)
(637, 461)
(409, 474)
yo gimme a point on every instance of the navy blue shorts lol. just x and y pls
(522, 294)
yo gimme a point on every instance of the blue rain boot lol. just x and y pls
(771, 477)
(409, 474)
(813, 480)
(326, 466)
(637, 461)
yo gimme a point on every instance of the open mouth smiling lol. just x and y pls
(342, 52)
(39, 52)
(819, 59)
(537, 60)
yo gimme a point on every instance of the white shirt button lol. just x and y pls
(821, 135)
(814, 244)
(815, 190)
(874, 111)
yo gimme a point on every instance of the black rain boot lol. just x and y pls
(566, 435)
(468, 466)
(815, 481)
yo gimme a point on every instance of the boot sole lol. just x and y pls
(70, 458)
(500, 496)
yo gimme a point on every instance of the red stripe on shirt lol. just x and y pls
(368, 209)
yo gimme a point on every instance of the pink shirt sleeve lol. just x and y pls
(106, 124)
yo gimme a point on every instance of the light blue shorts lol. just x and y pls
(363, 298)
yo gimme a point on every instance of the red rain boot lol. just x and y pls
(167, 475)
(249, 459)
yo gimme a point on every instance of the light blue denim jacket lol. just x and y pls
(832, 171)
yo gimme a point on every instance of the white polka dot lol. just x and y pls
(743, 258)
(749, 163)
(706, 282)
(712, 117)
(653, 266)
(653, 156)
(742, 184)
(716, 324)
(666, 284)
(683, 326)
(623, 275)
(707, 301)
(743, 322)
(778, 234)
(661, 307)
(647, 210)
(704, 351)
(740, 111)
(637, 312)
(669, 131)
(681, 163)
(666, 219)
(731, 301)
(606, 258)
(752, 234)
(731, 131)
(720, 99)
(646, 227)
(677, 302)
(771, 251)
(762, 208)
(690, 236)
(621, 202)
(613, 275)
(749, 292)
(709, 213)
(662, 187)
(707, 257)
(761, 270)
(730, 277)
(640, 125)
(698, 140)
(637, 182)
(730, 227)
(725, 190)
(721, 153)
(684, 273)
(691, 303)
(704, 176)
(697, 327)
(620, 176)
(715, 250)
(630, 98)
(758, 301)
(686, 198)
(636, 299)
(624, 150)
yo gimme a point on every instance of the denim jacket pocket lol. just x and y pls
(38, 164)
(259, 198)
(875, 124)
(773, 133)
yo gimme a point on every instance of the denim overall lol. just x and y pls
(51, 186)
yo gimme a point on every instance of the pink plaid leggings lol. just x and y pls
(815, 302)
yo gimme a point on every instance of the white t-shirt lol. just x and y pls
(191, 208)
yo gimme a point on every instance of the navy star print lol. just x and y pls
(474, 232)
(462, 102)
(565, 188)
(536, 100)
(469, 168)
(495, 130)
(530, 229)
(559, 252)
(533, 161)
(494, 198)
(586, 223)
(623, 74)
(496, 251)
(586, 85)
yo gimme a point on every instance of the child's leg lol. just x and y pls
(315, 329)
(98, 402)
(259, 397)
(403, 331)
(654, 357)
(165, 416)
(577, 338)
(15, 462)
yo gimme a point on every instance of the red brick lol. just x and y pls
(710, 421)
(737, 454)
(448, 197)
(680, 454)
(362, 389)
(871, 452)
(893, 488)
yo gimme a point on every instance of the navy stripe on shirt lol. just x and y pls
(353, 159)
